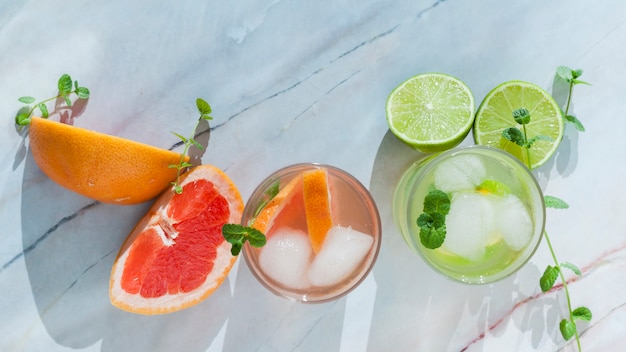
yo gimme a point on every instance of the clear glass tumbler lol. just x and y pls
(496, 217)
(288, 265)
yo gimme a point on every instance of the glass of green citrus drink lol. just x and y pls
(475, 214)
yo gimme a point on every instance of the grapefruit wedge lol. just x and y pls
(286, 203)
(317, 206)
(106, 168)
(176, 256)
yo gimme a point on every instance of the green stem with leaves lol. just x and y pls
(66, 87)
(205, 110)
(552, 273)
(566, 290)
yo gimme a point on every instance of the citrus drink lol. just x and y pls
(496, 214)
(323, 232)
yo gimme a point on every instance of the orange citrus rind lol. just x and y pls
(317, 206)
(106, 168)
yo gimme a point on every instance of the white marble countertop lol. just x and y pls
(296, 81)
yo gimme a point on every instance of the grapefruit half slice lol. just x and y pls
(176, 256)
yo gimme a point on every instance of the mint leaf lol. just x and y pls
(582, 313)
(514, 135)
(432, 229)
(565, 72)
(577, 81)
(82, 92)
(44, 110)
(572, 267)
(26, 100)
(22, 119)
(577, 73)
(547, 280)
(268, 195)
(237, 235)
(437, 202)
(554, 202)
(256, 238)
(432, 222)
(65, 85)
(568, 329)
(539, 137)
(576, 122)
(521, 116)
(204, 108)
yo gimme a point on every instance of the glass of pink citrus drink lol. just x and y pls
(323, 232)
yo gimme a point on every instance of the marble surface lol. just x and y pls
(296, 81)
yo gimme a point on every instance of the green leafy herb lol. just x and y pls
(571, 77)
(550, 275)
(572, 267)
(554, 202)
(237, 235)
(268, 195)
(568, 329)
(205, 110)
(432, 222)
(513, 134)
(66, 87)
(582, 313)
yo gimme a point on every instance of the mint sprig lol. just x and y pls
(571, 77)
(554, 272)
(66, 87)
(237, 235)
(520, 137)
(432, 222)
(567, 326)
(205, 114)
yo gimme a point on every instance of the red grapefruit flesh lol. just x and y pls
(176, 256)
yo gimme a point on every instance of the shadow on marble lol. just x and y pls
(70, 243)
(262, 321)
(409, 290)
(565, 159)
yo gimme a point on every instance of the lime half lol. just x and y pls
(431, 112)
(495, 114)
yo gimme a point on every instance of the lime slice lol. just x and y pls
(495, 114)
(431, 112)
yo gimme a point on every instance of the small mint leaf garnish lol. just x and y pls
(547, 280)
(582, 313)
(514, 135)
(554, 202)
(576, 122)
(64, 85)
(521, 116)
(268, 195)
(437, 202)
(568, 329)
(204, 109)
(237, 235)
(572, 267)
(26, 100)
(432, 222)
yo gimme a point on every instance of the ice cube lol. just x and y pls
(343, 250)
(286, 257)
(514, 222)
(470, 224)
(460, 173)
